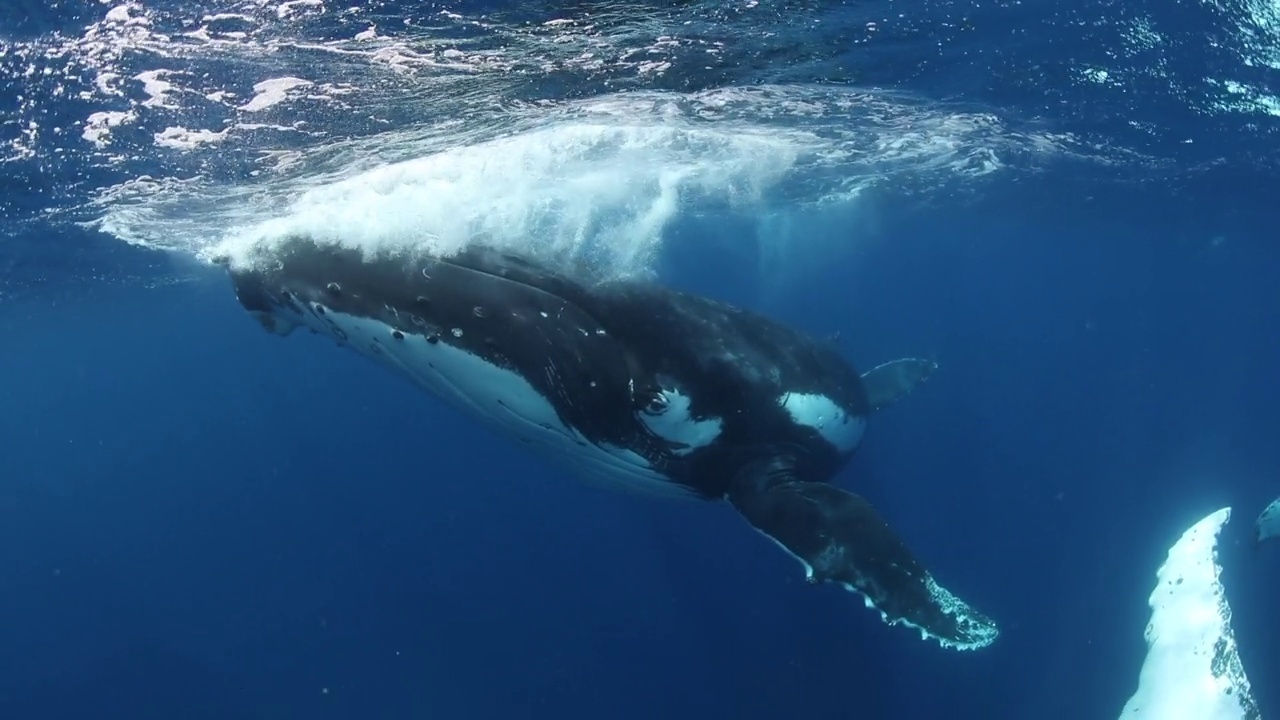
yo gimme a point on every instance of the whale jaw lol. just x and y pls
(497, 396)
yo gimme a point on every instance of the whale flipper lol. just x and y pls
(895, 379)
(839, 537)
(1268, 523)
(1193, 667)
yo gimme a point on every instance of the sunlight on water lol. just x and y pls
(596, 181)
(222, 128)
(577, 130)
(604, 184)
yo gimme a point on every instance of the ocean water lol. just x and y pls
(1070, 206)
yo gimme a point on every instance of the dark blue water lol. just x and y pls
(200, 520)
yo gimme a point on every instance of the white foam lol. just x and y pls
(498, 397)
(291, 8)
(833, 423)
(181, 138)
(1192, 670)
(272, 92)
(158, 89)
(605, 191)
(97, 128)
(601, 179)
(218, 17)
(124, 15)
(1268, 525)
(662, 156)
(677, 424)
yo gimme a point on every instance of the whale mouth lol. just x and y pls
(250, 287)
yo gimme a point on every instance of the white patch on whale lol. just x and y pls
(1193, 667)
(500, 397)
(674, 422)
(837, 426)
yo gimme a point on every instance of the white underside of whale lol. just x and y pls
(1192, 670)
(498, 397)
(819, 412)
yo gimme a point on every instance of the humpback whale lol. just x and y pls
(1268, 525)
(634, 384)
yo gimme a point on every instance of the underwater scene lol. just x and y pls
(624, 359)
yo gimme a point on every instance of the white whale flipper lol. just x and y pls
(1192, 670)
(1269, 522)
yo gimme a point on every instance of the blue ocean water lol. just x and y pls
(1068, 206)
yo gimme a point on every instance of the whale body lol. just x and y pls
(636, 385)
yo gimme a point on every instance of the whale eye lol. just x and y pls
(667, 414)
(657, 404)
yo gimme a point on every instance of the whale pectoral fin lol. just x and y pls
(840, 537)
(895, 379)
(1268, 525)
